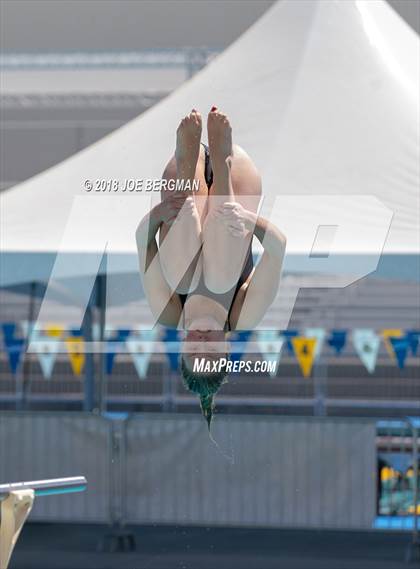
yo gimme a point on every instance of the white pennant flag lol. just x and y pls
(319, 335)
(143, 334)
(366, 343)
(27, 328)
(270, 344)
(46, 348)
(140, 355)
(141, 346)
(150, 338)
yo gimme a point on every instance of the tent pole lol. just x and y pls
(25, 369)
(89, 384)
(101, 304)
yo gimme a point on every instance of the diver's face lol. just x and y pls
(208, 344)
(204, 339)
(202, 342)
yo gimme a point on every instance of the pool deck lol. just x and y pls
(65, 546)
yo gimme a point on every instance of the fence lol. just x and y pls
(258, 471)
(163, 468)
(266, 472)
(40, 446)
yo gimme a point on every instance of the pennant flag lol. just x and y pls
(239, 340)
(139, 355)
(319, 335)
(413, 337)
(270, 344)
(27, 328)
(366, 343)
(337, 340)
(75, 347)
(9, 329)
(269, 341)
(288, 335)
(171, 338)
(113, 346)
(144, 334)
(304, 349)
(76, 332)
(54, 330)
(388, 333)
(46, 350)
(400, 347)
(14, 346)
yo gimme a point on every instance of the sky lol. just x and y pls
(96, 25)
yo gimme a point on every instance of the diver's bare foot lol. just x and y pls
(188, 136)
(220, 138)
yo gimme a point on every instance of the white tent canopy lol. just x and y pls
(324, 97)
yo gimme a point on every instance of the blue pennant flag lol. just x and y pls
(288, 335)
(14, 346)
(76, 332)
(400, 346)
(337, 340)
(239, 339)
(172, 338)
(114, 347)
(413, 337)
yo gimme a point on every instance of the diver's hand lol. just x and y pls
(174, 207)
(236, 218)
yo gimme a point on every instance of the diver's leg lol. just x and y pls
(180, 242)
(236, 179)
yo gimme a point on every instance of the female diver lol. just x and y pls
(201, 278)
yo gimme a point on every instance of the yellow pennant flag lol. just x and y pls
(388, 333)
(75, 348)
(54, 330)
(305, 349)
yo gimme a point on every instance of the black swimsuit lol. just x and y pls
(227, 298)
(208, 170)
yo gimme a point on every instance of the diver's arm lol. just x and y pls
(164, 304)
(271, 238)
(258, 293)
